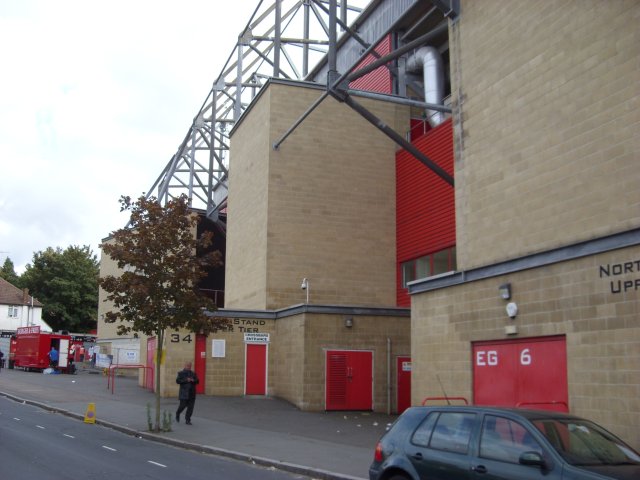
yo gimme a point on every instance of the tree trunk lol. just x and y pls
(159, 345)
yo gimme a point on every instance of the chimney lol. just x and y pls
(25, 296)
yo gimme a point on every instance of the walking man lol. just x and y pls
(187, 379)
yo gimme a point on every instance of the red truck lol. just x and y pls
(32, 349)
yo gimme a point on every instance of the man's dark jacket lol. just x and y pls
(187, 388)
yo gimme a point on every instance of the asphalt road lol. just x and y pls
(37, 444)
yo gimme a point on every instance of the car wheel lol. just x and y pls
(399, 476)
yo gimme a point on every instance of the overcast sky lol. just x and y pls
(95, 98)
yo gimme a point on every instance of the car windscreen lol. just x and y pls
(583, 443)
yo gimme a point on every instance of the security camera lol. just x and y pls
(303, 285)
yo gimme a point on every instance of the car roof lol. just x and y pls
(529, 414)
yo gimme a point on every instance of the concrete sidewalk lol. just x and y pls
(268, 431)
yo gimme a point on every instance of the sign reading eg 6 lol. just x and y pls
(490, 358)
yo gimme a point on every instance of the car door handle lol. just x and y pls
(479, 469)
(417, 456)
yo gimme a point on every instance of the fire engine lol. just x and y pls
(31, 349)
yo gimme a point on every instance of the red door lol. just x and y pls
(349, 380)
(256, 369)
(403, 369)
(200, 361)
(151, 362)
(529, 373)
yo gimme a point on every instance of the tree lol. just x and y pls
(162, 263)
(66, 282)
(8, 272)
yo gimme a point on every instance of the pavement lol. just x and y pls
(262, 430)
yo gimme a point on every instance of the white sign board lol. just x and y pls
(102, 360)
(255, 337)
(126, 356)
(218, 348)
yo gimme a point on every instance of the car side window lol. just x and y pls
(505, 440)
(452, 431)
(423, 433)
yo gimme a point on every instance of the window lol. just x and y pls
(13, 311)
(505, 440)
(423, 432)
(581, 442)
(433, 264)
(452, 432)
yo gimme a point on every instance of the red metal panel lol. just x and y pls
(425, 204)
(529, 373)
(403, 369)
(349, 380)
(256, 369)
(380, 79)
(200, 361)
(360, 381)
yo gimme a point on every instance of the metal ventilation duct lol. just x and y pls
(433, 77)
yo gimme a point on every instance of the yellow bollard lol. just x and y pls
(90, 415)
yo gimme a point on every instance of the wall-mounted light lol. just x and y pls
(305, 286)
(512, 310)
(348, 322)
(505, 291)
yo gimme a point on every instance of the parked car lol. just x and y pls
(473, 443)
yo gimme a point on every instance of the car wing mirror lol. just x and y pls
(532, 459)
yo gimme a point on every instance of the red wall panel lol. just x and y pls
(425, 204)
(529, 373)
(380, 79)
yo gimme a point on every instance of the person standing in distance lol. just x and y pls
(53, 357)
(187, 379)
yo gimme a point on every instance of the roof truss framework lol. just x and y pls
(283, 39)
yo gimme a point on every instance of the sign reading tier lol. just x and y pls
(255, 337)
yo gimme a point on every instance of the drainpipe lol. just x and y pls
(388, 376)
(433, 78)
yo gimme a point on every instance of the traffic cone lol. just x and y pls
(90, 415)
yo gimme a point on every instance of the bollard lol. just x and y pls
(90, 415)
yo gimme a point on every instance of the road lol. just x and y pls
(35, 443)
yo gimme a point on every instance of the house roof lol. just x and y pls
(12, 295)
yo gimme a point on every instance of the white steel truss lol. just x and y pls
(282, 39)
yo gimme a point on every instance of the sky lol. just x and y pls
(95, 98)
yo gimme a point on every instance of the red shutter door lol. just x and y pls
(530, 373)
(349, 381)
(403, 369)
(256, 369)
(200, 363)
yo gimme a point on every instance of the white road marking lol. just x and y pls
(40, 426)
(16, 418)
(156, 463)
(109, 448)
(70, 436)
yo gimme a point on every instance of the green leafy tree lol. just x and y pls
(66, 282)
(162, 263)
(8, 272)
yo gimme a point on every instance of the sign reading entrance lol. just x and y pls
(255, 337)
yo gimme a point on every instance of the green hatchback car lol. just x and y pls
(485, 443)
